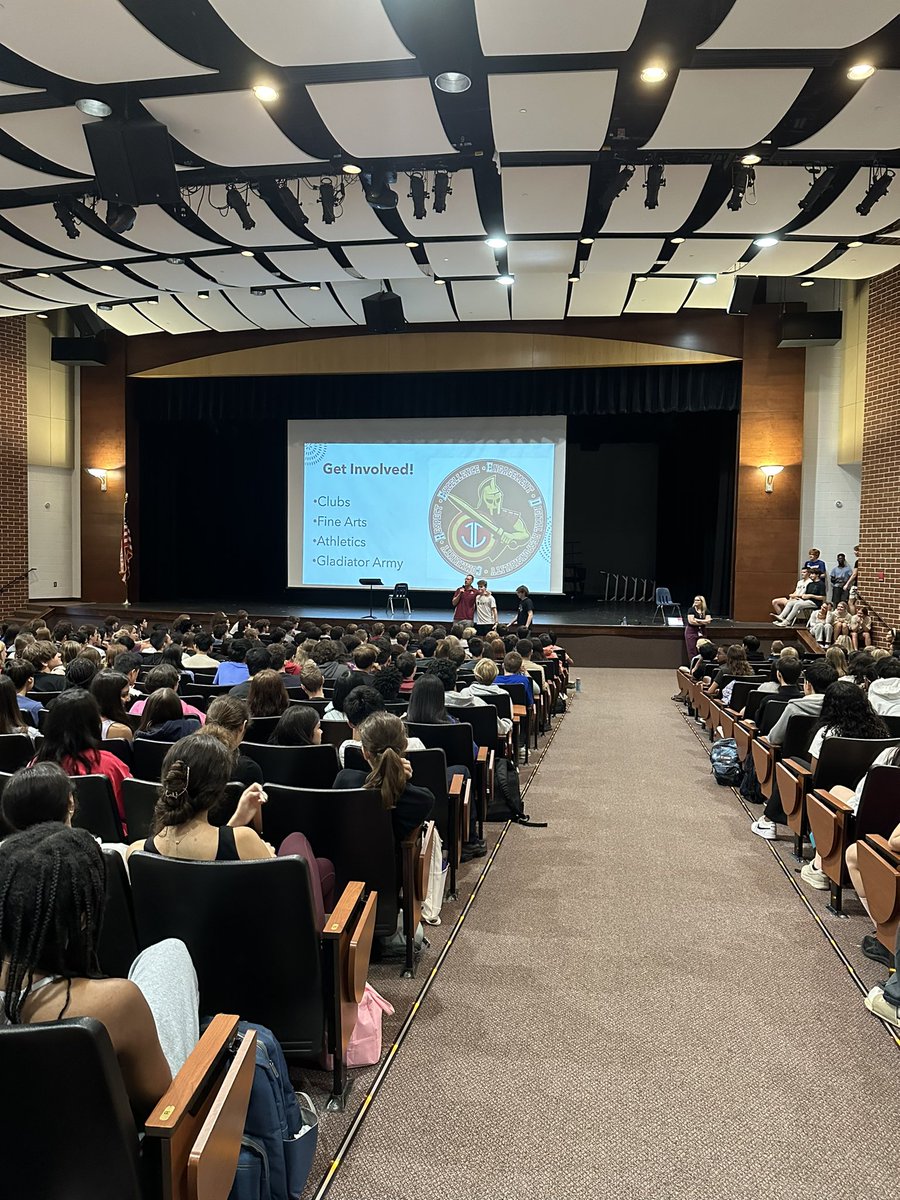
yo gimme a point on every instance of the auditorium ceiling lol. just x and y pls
(598, 144)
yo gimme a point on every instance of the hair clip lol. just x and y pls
(187, 780)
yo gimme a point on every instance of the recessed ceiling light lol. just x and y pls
(860, 71)
(265, 92)
(41, 316)
(452, 81)
(176, 262)
(506, 280)
(654, 73)
(523, 110)
(412, 245)
(586, 241)
(43, 275)
(676, 241)
(640, 279)
(257, 291)
(496, 243)
(203, 295)
(440, 282)
(153, 300)
(104, 308)
(315, 287)
(350, 168)
(106, 267)
(750, 160)
(706, 279)
(573, 278)
(764, 242)
(246, 254)
(853, 245)
(807, 282)
(93, 108)
(767, 141)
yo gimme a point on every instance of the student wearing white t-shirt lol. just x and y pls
(485, 609)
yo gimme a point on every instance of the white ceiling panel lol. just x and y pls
(630, 255)
(314, 308)
(15, 254)
(127, 320)
(458, 260)
(541, 256)
(552, 110)
(481, 300)
(357, 222)
(111, 283)
(392, 261)
(58, 290)
(22, 302)
(770, 205)
(308, 266)
(544, 199)
(712, 295)
(382, 118)
(269, 230)
(15, 175)
(56, 134)
(862, 262)
(710, 256)
(788, 258)
(158, 231)
(299, 33)
(216, 312)
(539, 297)
(657, 295)
(169, 315)
(97, 41)
(627, 213)
(351, 295)
(508, 27)
(728, 108)
(267, 310)
(171, 277)
(233, 270)
(462, 218)
(602, 294)
(424, 300)
(841, 220)
(870, 120)
(800, 25)
(40, 222)
(232, 129)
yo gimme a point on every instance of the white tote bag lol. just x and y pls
(437, 877)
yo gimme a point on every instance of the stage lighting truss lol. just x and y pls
(441, 189)
(66, 218)
(822, 185)
(290, 199)
(654, 179)
(879, 181)
(419, 193)
(743, 180)
(237, 202)
(617, 185)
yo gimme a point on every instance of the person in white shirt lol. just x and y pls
(485, 609)
(202, 656)
(780, 603)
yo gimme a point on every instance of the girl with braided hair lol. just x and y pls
(52, 895)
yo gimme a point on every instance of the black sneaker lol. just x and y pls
(472, 850)
(872, 948)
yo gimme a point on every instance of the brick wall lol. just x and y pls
(879, 571)
(13, 462)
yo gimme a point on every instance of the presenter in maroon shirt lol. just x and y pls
(464, 601)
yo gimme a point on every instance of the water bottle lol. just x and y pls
(577, 683)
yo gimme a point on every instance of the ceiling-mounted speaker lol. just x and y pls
(384, 312)
(742, 297)
(78, 351)
(133, 161)
(810, 329)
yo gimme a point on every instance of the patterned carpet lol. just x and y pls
(638, 1005)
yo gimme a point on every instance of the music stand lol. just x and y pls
(371, 584)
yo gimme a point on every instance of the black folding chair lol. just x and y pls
(147, 758)
(16, 749)
(295, 766)
(95, 807)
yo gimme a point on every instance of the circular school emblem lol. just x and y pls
(488, 518)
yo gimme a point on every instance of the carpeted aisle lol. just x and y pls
(638, 1005)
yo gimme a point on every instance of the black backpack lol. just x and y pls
(507, 803)
(726, 765)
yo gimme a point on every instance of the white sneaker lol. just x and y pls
(816, 879)
(765, 829)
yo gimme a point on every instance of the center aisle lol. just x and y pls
(637, 1005)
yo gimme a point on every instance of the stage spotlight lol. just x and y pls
(418, 195)
(327, 199)
(120, 217)
(442, 190)
(819, 188)
(65, 218)
(617, 185)
(656, 179)
(742, 178)
(291, 204)
(379, 194)
(238, 204)
(878, 187)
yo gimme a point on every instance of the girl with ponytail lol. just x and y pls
(383, 738)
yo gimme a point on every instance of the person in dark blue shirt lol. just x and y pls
(512, 673)
(22, 675)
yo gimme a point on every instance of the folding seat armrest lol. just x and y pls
(799, 768)
(415, 856)
(337, 921)
(346, 944)
(882, 845)
(833, 802)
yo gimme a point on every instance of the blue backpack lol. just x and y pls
(726, 765)
(280, 1132)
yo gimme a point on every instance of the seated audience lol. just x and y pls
(736, 667)
(36, 794)
(257, 660)
(384, 743)
(111, 691)
(786, 686)
(361, 702)
(512, 673)
(811, 597)
(861, 628)
(751, 646)
(234, 670)
(165, 676)
(838, 659)
(22, 675)
(387, 683)
(406, 665)
(267, 696)
(328, 657)
(334, 710)
(72, 736)
(781, 602)
(163, 719)
(227, 719)
(312, 681)
(483, 687)
(299, 726)
(821, 624)
(884, 690)
(11, 718)
(44, 658)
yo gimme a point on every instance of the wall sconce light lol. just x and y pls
(770, 470)
(98, 473)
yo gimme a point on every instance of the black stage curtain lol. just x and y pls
(210, 492)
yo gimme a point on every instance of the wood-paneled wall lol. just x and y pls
(103, 445)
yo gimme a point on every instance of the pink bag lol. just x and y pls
(364, 1049)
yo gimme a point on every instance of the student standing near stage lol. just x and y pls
(485, 609)
(525, 612)
(464, 601)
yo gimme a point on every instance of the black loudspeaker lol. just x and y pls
(133, 161)
(78, 351)
(384, 312)
(743, 294)
(811, 329)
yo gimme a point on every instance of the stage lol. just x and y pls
(599, 635)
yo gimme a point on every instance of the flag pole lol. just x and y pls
(127, 603)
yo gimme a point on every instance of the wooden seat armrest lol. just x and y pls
(214, 1158)
(762, 740)
(520, 710)
(833, 802)
(336, 921)
(883, 846)
(483, 753)
(457, 783)
(732, 712)
(801, 769)
(203, 1064)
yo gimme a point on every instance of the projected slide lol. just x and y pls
(367, 501)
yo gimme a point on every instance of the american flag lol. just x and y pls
(126, 552)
